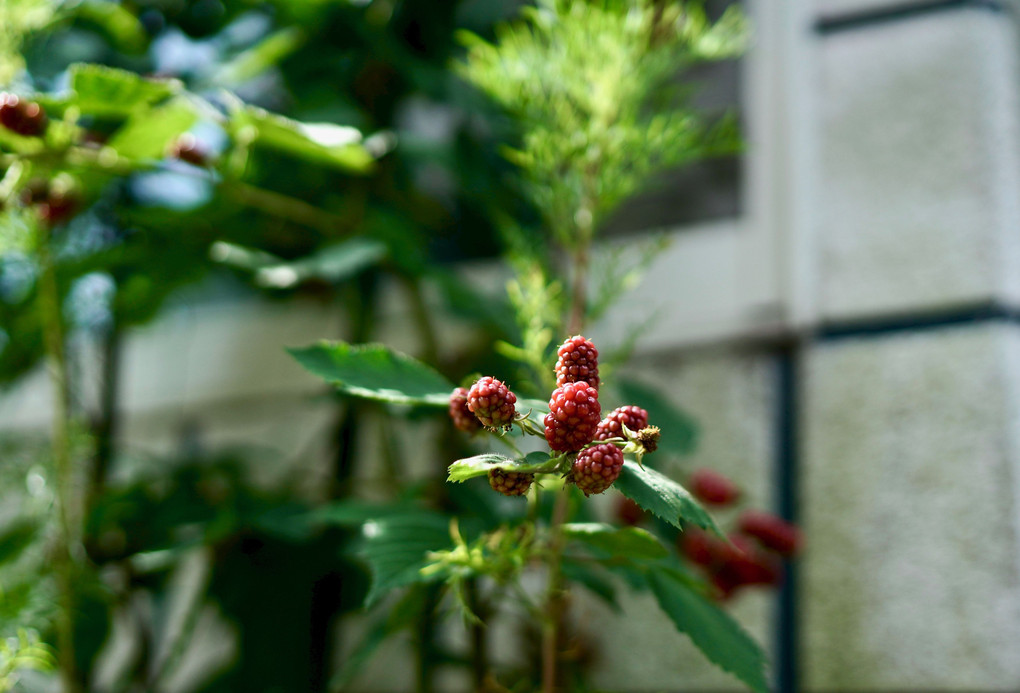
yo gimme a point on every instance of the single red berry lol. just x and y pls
(510, 483)
(713, 488)
(634, 418)
(628, 512)
(742, 562)
(23, 117)
(773, 532)
(577, 362)
(58, 208)
(699, 546)
(492, 402)
(460, 414)
(574, 413)
(597, 467)
(186, 148)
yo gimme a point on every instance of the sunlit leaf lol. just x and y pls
(480, 465)
(376, 372)
(624, 542)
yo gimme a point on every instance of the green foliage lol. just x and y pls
(22, 653)
(715, 633)
(630, 542)
(662, 496)
(397, 547)
(480, 465)
(581, 77)
(375, 372)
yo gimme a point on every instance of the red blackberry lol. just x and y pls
(23, 117)
(773, 532)
(628, 512)
(578, 362)
(597, 467)
(492, 402)
(634, 418)
(742, 562)
(713, 488)
(699, 546)
(574, 413)
(460, 414)
(510, 483)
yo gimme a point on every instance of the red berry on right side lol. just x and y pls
(597, 467)
(492, 402)
(510, 483)
(462, 417)
(713, 488)
(699, 546)
(634, 418)
(742, 562)
(574, 414)
(577, 362)
(772, 531)
(23, 117)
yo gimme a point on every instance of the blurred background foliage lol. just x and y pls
(386, 168)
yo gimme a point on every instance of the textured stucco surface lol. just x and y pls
(917, 157)
(910, 581)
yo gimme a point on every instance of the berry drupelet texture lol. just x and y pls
(577, 362)
(597, 467)
(510, 483)
(574, 413)
(634, 418)
(23, 117)
(461, 416)
(492, 402)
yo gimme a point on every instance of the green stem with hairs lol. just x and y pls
(49, 304)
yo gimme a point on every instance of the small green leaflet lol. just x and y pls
(662, 496)
(15, 538)
(376, 372)
(332, 264)
(622, 542)
(327, 144)
(479, 465)
(106, 91)
(715, 633)
(149, 132)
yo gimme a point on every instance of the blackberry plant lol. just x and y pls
(588, 84)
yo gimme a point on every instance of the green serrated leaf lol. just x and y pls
(479, 465)
(679, 431)
(148, 133)
(106, 91)
(333, 264)
(328, 144)
(396, 549)
(624, 542)
(662, 496)
(375, 372)
(712, 630)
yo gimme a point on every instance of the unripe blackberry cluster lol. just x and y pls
(752, 556)
(461, 415)
(577, 362)
(574, 414)
(55, 204)
(634, 418)
(596, 468)
(492, 402)
(23, 117)
(510, 483)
